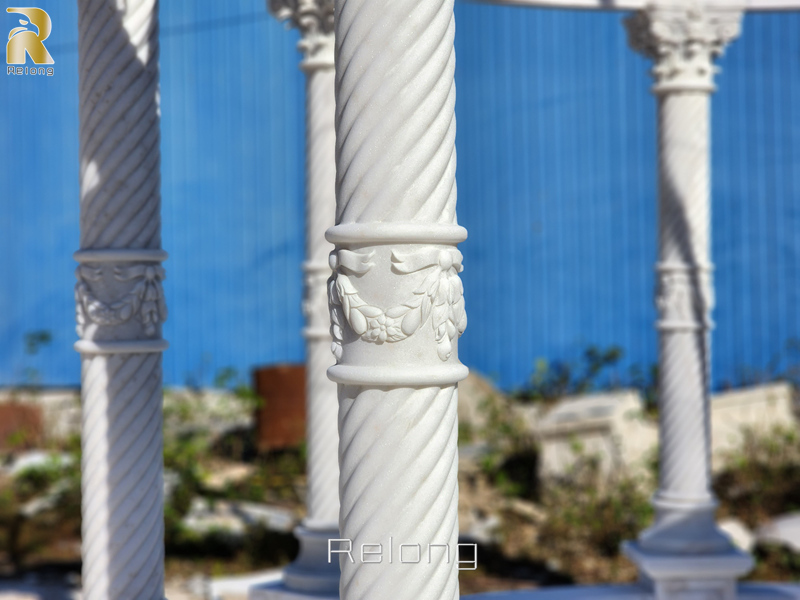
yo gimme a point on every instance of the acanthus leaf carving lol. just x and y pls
(145, 298)
(439, 297)
(311, 17)
(683, 40)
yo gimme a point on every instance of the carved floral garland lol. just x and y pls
(440, 296)
(685, 296)
(145, 299)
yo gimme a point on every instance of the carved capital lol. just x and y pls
(683, 40)
(314, 20)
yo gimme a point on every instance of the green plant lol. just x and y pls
(511, 455)
(593, 512)
(229, 379)
(553, 380)
(33, 342)
(760, 480)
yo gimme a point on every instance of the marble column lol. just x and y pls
(684, 553)
(311, 572)
(120, 301)
(396, 299)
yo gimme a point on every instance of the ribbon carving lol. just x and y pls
(439, 297)
(146, 298)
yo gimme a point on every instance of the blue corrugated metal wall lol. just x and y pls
(557, 167)
(556, 177)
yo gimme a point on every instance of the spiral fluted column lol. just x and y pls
(396, 298)
(119, 301)
(684, 552)
(311, 572)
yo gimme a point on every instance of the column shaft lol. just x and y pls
(321, 397)
(684, 502)
(396, 300)
(684, 297)
(683, 553)
(119, 301)
(311, 573)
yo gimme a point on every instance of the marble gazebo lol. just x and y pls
(383, 292)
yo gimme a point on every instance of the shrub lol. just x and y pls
(761, 478)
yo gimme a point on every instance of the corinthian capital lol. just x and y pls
(311, 17)
(683, 40)
(314, 20)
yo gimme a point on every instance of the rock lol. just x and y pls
(527, 510)
(207, 410)
(225, 474)
(234, 518)
(204, 517)
(171, 480)
(783, 530)
(484, 529)
(48, 501)
(759, 408)
(272, 517)
(610, 426)
(36, 459)
(740, 535)
(613, 427)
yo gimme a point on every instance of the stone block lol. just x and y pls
(758, 408)
(783, 530)
(610, 426)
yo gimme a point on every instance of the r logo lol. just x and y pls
(22, 39)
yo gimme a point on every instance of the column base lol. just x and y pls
(310, 575)
(684, 527)
(689, 576)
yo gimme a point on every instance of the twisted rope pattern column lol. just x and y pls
(396, 234)
(401, 97)
(403, 440)
(322, 404)
(684, 297)
(320, 163)
(119, 132)
(683, 40)
(123, 517)
(122, 472)
(311, 571)
(323, 461)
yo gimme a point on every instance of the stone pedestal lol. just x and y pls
(309, 576)
(686, 576)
